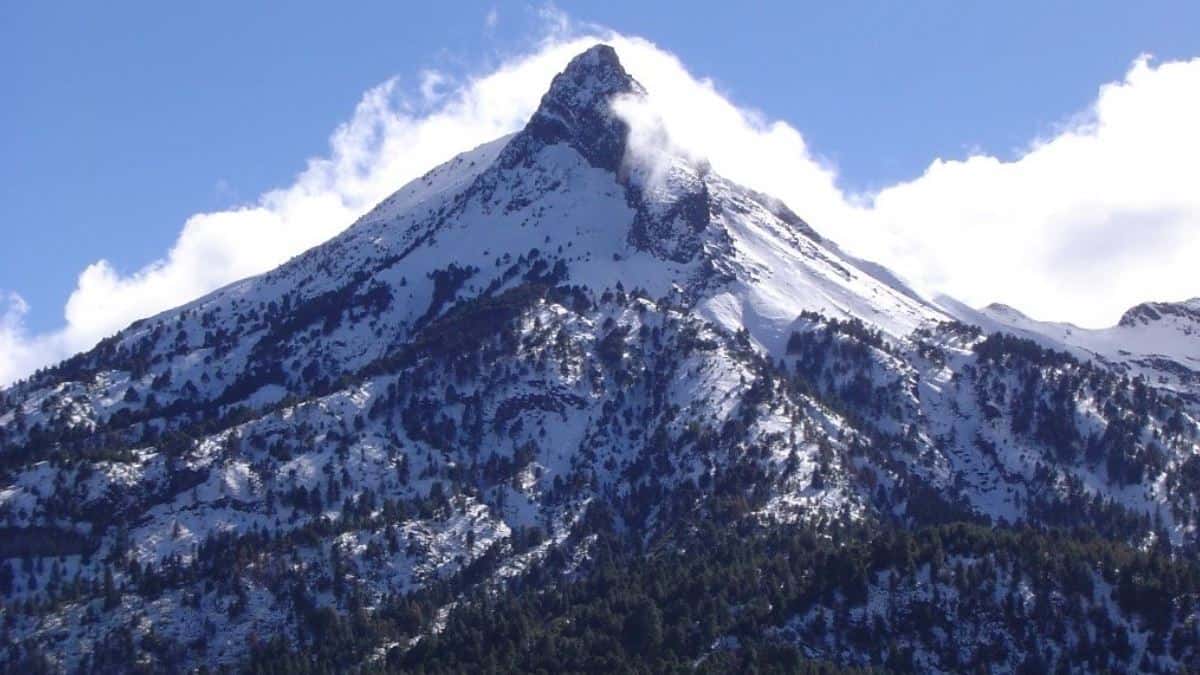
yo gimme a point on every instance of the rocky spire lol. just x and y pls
(577, 110)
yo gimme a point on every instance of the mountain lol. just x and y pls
(1157, 341)
(569, 404)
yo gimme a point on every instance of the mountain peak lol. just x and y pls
(1149, 312)
(1003, 310)
(592, 78)
(577, 110)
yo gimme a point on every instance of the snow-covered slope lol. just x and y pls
(1159, 341)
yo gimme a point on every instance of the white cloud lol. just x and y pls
(1084, 224)
(1099, 217)
(17, 348)
(433, 84)
(740, 143)
(492, 19)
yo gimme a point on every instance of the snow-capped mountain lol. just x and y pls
(1159, 341)
(548, 344)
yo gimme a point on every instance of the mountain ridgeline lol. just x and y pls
(547, 408)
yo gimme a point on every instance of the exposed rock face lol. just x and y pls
(576, 111)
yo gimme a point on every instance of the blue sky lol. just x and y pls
(122, 120)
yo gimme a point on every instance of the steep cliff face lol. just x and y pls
(540, 345)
